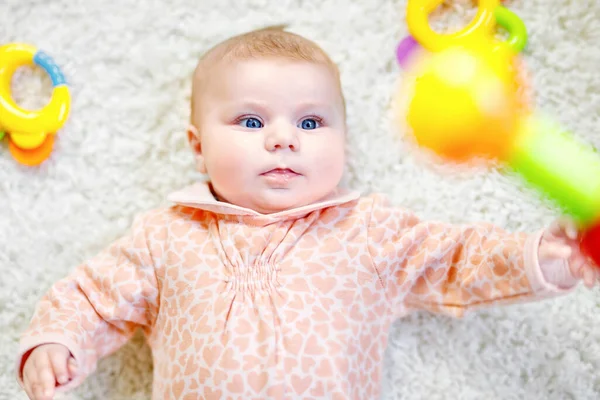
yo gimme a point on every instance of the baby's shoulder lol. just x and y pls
(374, 200)
(167, 215)
(384, 209)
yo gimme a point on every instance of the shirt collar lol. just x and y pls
(200, 196)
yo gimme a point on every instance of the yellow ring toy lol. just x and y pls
(29, 129)
(417, 14)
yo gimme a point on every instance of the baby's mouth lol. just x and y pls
(282, 172)
(280, 178)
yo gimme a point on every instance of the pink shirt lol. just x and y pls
(297, 304)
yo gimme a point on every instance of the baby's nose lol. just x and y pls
(281, 138)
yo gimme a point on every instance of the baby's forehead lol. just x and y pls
(209, 74)
(209, 68)
(252, 67)
(262, 73)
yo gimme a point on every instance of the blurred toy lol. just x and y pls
(31, 132)
(462, 103)
(481, 26)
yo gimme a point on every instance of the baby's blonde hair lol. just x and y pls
(270, 42)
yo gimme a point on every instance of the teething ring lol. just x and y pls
(32, 157)
(29, 129)
(417, 13)
(516, 41)
(517, 32)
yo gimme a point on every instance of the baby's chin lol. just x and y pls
(275, 205)
(274, 202)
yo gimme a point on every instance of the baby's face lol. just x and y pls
(272, 133)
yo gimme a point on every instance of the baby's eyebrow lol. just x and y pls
(315, 105)
(251, 105)
(262, 107)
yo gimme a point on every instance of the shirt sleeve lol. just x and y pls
(450, 269)
(99, 306)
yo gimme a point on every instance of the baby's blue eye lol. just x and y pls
(252, 123)
(309, 124)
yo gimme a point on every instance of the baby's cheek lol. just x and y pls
(231, 157)
(332, 159)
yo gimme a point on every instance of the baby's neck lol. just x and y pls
(215, 195)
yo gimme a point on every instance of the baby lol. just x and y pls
(269, 281)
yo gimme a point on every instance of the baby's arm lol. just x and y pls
(98, 307)
(453, 268)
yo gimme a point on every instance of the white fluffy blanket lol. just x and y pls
(123, 149)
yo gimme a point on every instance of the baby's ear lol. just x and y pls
(194, 141)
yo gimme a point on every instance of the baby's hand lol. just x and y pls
(561, 259)
(46, 366)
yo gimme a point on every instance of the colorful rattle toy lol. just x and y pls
(31, 133)
(463, 103)
(481, 27)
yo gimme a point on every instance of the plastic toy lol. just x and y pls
(31, 132)
(463, 104)
(517, 33)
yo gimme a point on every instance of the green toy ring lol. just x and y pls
(517, 33)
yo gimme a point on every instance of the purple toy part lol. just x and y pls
(405, 48)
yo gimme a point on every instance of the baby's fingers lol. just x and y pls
(554, 251)
(590, 275)
(44, 389)
(58, 360)
(30, 379)
(72, 365)
(564, 227)
(28, 385)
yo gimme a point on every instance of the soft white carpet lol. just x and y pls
(124, 149)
